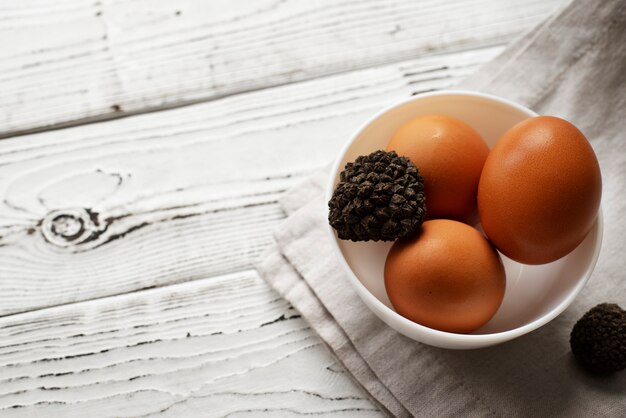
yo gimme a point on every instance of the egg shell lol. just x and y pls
(448, 277)
(450, 155)
(540, 190)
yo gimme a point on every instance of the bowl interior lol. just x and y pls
(532, 292)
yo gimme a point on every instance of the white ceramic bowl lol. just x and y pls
(534, 294)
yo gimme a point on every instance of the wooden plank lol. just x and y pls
(228, 346)
(172, 196)
(81, 60)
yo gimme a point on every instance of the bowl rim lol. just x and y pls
(431, 332)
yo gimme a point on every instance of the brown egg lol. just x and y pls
(540, 190)
(448, 277)
(449, 155)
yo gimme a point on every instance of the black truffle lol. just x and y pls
(379, 197)
(598, 339)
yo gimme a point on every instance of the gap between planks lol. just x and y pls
(116, 115)
(134, 63)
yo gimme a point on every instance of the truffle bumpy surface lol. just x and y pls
(379, 197)
(598, 339)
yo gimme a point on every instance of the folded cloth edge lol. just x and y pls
(281, 275)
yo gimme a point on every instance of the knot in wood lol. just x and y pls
(68, 227)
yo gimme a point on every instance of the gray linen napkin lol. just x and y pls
(574, 66)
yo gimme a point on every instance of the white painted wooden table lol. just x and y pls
(145, 146)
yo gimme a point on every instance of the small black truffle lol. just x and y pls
(379, 197)
(598, 339)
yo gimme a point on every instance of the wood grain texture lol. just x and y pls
(224, 347)
(126, 247)
(78, 60)
(178, 195)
